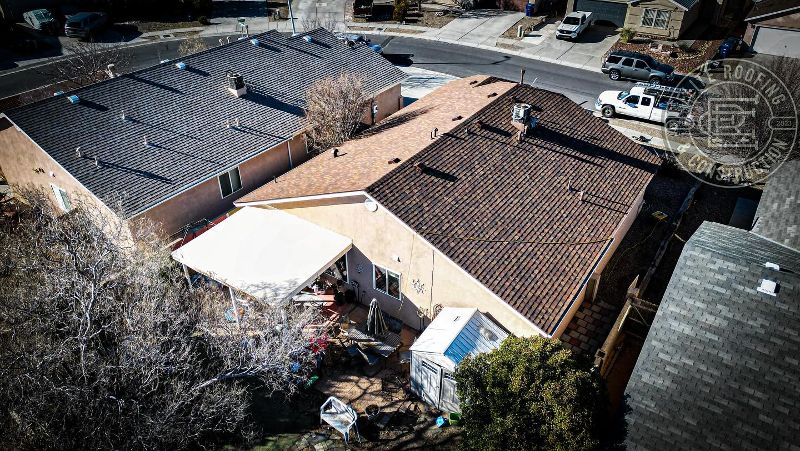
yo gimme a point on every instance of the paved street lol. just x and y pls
(579, 85)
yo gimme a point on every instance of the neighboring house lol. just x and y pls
(455, 333)
(445, 206)
(773, 28)
(180, 141)
(720, 365)
(778, 213)
(661, 18)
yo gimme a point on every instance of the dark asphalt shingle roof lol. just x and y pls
(483, 185)
(778, 214)
(686, 3)
(182, 113)
(720, 365)
(771, 7)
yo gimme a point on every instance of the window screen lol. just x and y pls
(230, 182)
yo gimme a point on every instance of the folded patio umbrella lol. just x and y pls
(376, 326)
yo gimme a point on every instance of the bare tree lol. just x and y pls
(745, 116)
(327, 21)
(103, 344)
(334, 109)
(87, 63)
(191, 45)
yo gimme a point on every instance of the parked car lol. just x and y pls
(662, 104)
(41, 20)
(359, 38)
(636, 66)
(573, 25)
(731, 46)
(85, 25)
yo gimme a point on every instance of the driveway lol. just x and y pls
(481, 27)
(587, 51)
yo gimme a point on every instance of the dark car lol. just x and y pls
(85, 25)
(729, 47)
(636, 66)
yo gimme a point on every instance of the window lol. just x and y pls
(628, 62)
(655, 18)
(386, 281)
(641, 65)
(645, 101)
(230, 182)
(632, 100)
(614, 59)
(62, 198)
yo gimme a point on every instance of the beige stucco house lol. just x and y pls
(451, 203)
(659, 18)
(179, 142)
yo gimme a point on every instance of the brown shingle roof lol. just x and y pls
(364, 160)
(482, 185)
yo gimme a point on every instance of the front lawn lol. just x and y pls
(683, 59)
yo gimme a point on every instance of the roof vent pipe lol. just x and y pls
(146, 142)
(180, 65)
(73, 99)
(255, 42)
(420, 167)
(434, 132)
(335, 153)
(123, 116)
(79, 152)
(97, 162)
(308, 39)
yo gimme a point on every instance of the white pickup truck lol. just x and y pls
(573, 25)
(662, 104)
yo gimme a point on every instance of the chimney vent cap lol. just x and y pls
(180, 65)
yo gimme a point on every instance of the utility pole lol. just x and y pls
(291, 17)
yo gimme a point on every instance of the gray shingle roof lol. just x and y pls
(182, 113)
(778, 214)
(688, 4)
(720, 365)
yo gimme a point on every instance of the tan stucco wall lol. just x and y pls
(679, 20)
(427, 276)
(24, 164)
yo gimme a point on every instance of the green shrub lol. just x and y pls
(626, 34)
(400, 10)
(203, 20)
(530, 394)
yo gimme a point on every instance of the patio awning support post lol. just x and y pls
(188, 277)
(233, 304)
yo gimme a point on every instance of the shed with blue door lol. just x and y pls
(454, 334)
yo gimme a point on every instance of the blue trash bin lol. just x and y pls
(529, 9)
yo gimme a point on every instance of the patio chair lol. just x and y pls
(340, 416)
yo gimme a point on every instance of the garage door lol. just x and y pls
(608, 11)
(774, 41)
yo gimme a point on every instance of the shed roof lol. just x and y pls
(456, 333)
(183, 112)
(719, 367)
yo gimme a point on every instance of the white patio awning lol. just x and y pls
(266, 253)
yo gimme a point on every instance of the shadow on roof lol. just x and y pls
(591, 149)
(259, 97)
(393, 121)
(153, 83)
(139, 172)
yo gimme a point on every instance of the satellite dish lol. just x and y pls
(371, 205)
